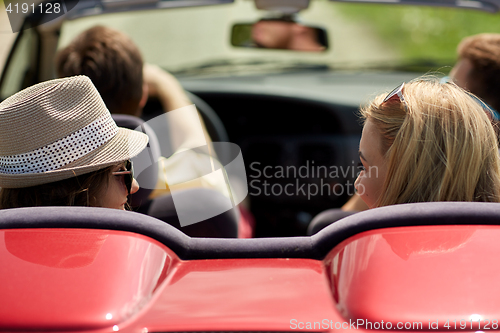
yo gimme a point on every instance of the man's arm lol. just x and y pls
(165, 87)
(168, 90)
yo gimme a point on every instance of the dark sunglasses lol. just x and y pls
(128, 174)
(396, 94)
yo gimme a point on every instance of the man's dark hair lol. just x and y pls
(112, 61)
(483, 51)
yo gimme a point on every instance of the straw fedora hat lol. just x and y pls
(57, 130)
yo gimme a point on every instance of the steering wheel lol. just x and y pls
(213, 123)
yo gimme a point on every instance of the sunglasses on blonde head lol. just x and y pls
(128, 174)
(396, 95)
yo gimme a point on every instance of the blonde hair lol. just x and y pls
(443, 148)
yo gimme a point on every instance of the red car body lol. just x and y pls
(421, 277)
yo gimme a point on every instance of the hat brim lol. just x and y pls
(123, 146)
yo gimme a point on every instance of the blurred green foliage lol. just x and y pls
(422, 32)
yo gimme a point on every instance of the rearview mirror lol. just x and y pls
(279, 34)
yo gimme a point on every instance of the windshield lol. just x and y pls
(196, 40)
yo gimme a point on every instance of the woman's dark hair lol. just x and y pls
(81, 190)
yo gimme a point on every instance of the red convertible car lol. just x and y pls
(413, 267)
